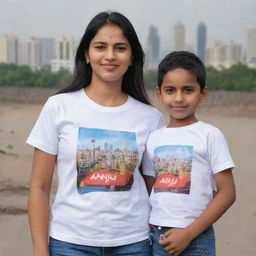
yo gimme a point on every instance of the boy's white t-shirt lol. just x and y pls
(101, 198)
(184, 160)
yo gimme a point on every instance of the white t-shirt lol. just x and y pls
(184, 160)
(101, 198)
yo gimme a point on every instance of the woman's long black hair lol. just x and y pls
(132, 83)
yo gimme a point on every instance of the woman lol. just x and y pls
(95, 132)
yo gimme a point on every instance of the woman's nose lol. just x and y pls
(110, 54)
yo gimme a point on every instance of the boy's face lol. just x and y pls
(180, 95)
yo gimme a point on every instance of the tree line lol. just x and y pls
(24, 76)
(237, 78)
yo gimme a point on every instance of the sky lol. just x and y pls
(225, 19)
(118, 139)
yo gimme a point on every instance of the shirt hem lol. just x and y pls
(101, 243)
(171, 224)
(37, 144)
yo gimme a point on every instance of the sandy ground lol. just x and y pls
(236, 231)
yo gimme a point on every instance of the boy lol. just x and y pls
(186, 157)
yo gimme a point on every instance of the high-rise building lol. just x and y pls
(32, 53)
(251, 46)
(223, 55)
(64, 54)
(215, 55)
(179, 37)
(153, 48)
(233, 54)
(9, 49)
(47, 50)
(65, 49)
(201, 41)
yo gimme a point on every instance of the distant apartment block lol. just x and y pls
(201, 41)
(251, 46)
(179, 37)
(64, 54)
(153, 48)
(32, 53)
(47, 50)
(223, 55)
(56, 65)
(9, 49)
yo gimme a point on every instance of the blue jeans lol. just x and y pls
(59, 248)
(203, 245)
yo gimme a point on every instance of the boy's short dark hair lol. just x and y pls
(185, 60)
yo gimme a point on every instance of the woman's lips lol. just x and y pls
(109, 66)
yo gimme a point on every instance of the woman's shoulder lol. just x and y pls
(64, 98)
(143, 107)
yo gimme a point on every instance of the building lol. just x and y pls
(233, 54)
(9, 49)
(56, 65)
(65, 48)
(64, 54)
(251, 46)
(47, 50)
(179, 37)
(201, 41)
(153, 48)
(32, 55)
(222, 56)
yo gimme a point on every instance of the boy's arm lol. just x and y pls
(177, 239)
(149, 180)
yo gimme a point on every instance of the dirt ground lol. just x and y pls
(235, 232)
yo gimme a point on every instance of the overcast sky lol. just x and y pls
(225, 19)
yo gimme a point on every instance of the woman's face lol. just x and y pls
(109, 54)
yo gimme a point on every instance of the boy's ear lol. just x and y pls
(203, 95)
(158, 92)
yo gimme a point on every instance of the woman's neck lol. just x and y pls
(108, 95)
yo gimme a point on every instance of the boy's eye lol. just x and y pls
(189, 89)
(169, 90)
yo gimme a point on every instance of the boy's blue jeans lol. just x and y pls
(203, 245)
(59, 248)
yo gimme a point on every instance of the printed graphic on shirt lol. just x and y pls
(173, 164)
(106, 160)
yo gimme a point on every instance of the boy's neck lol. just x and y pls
(181, 123)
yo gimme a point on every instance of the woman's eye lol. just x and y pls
(100, 47)
(121, 49)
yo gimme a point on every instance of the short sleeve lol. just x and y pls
(148, 163)
(44, 134)
(219, 155)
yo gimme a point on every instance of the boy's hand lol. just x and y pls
(175, 240)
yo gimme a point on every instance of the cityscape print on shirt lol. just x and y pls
(173, 164)
(106, 160)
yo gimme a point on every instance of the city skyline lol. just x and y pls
(54, 19)
(55, 53)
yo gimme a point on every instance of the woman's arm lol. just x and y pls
(176, 240)
(38, 202)
(149, 181)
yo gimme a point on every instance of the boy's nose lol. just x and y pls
(178, 97)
